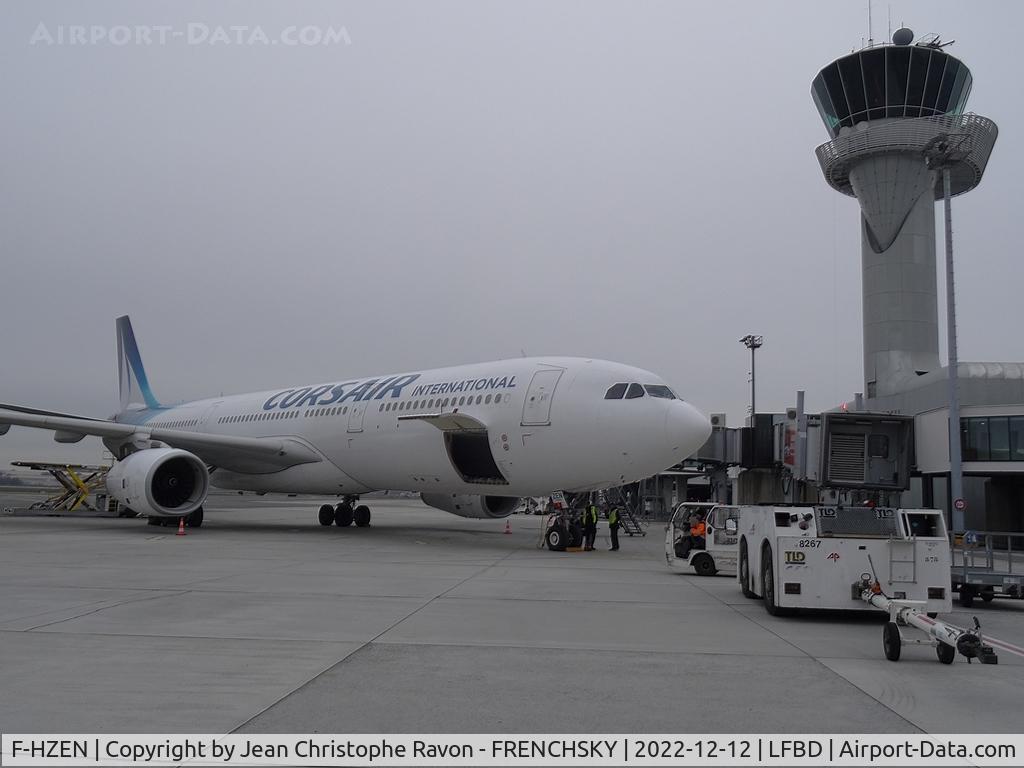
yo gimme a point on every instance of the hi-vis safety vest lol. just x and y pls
(613, 516)
(590, 515)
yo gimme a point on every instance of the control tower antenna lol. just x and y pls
(870, 39)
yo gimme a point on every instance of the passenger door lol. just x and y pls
(537, 406)
(355, 417)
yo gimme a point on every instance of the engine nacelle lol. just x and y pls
(160, 482)
(486, 507)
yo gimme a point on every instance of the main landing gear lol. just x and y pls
(194, 520)
(344, 514)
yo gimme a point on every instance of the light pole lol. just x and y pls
(942, 153)
(752, 343)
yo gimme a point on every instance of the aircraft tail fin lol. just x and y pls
(131, 376)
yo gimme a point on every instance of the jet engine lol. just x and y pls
(160, 482)
(487, 507)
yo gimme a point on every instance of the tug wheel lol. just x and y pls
(704, 565)
(946, 653)
(891, 643)
(769, 586)
(745, 571)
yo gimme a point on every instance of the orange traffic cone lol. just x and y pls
(181, 527)
(508, 526)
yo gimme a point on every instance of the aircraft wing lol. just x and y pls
(240, 454)
(38, 412)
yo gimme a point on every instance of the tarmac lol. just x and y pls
(264, 621)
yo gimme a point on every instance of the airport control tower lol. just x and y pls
(891, 110)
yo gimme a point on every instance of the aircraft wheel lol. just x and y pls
(556, 539)
(704, 565)
(966, 596)
(988, 595)
(343, 515)
(946, 653)
(326, 514)
(361, 515)
(195, 520)
(745, 571)
(891, 643)
(575, 536)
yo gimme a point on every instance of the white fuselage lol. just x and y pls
(528, 426)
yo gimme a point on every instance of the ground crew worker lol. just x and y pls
(613, 528)
(697, 531)
(589, 527)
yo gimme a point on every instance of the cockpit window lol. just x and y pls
(660, 390)
(635, 390)
(615, 392)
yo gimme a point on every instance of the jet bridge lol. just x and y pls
(795, 457)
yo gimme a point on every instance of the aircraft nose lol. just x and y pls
(686, 429)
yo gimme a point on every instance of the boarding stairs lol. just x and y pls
(629, 515)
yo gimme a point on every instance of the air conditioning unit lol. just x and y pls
(718, 421)
(791, 414)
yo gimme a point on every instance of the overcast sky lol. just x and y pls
(441, 183)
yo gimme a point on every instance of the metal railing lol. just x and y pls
(836, 157)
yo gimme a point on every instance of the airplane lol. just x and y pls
(471, 439)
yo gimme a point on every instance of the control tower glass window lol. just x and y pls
(824, 104)
(853, 85)
(936, 69)
(897, 65)
(916, 80)
(893, 81)
(873, 64)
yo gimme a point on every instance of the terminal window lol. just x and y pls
(992, 438)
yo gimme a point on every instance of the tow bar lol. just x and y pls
(946, 638)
